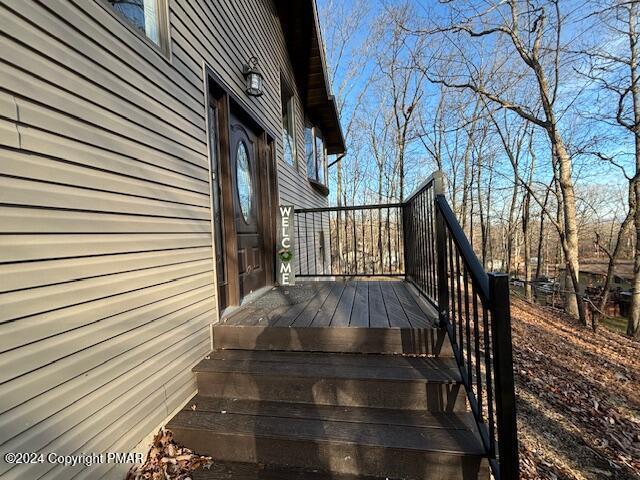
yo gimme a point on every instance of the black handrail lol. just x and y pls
(478, 275)
(473, 306)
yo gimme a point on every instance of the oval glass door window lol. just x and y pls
(243, 179)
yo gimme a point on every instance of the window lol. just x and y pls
(243, 180)
(147, 17)
(316, 154)
(321, 157)
(288, 128)
(309, 151)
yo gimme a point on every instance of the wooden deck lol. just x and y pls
(332, 380)
(364, 304)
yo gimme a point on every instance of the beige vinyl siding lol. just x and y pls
(193, 35)
(106, 281)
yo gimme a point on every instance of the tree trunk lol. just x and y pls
(510, 221)
(573, 296)
(633, 326)
(542, 239)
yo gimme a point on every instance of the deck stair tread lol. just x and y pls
(252, 471)
(252, 335)
(327, 365)
(304, 423)
(388, 416)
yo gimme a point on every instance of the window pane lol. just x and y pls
(142, 14)
(308, 149)
(321, 158)
(243, 180)
(287, 129)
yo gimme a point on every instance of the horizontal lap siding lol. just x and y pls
(240, 31)
(105, 240)
(105, 247)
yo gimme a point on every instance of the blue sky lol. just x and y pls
(587, 171)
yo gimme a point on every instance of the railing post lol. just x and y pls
(503, 373)
(441, 250)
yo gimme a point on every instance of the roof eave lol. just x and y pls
(300, 19)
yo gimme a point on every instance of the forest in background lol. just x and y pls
(530, 108)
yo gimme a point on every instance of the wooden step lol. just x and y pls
(399, 382)
(252, 471)
(429, 341)
(343, 440)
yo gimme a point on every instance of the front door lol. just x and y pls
(247, 195)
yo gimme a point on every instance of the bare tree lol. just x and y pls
(533, 31)
(350, 80)
(402, 77)
(617, 73)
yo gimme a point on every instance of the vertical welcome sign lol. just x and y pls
(284, 250)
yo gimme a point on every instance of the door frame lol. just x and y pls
(224, 101)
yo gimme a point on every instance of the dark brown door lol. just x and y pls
(247, 195)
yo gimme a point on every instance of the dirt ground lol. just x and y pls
(578, 398)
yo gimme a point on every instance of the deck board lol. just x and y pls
(411, 309)
(287, 318)
(342, 315)
(397, 317)
(311, 310)
(378, 317)
(325, 314)
(360, 312)
(351, 303)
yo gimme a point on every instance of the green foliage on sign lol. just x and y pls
(285, 254)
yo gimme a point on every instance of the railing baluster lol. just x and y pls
(340, 249)
(306, 243)
(459, 308)
(347, 269)
(373, 244)
(489, 377)
(355, 243)
(452, 274)
(432, 243)
(298, 246)
(315, 250)
(477, 349)
(330, 248)
(467, 320)
(364, 244)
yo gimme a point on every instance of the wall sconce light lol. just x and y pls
(253, 77)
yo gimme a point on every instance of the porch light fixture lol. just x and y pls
(253, 77)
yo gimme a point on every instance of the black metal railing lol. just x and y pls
(422, 240)
(349, 241)
(474, 308)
